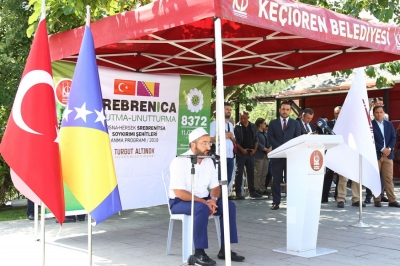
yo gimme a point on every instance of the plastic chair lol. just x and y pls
(186, 224)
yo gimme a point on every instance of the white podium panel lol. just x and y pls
(305, 178)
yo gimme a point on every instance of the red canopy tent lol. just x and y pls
(261, 40)
(243, 41)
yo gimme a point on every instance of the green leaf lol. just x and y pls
(370, 71)
(30, 30)
(389, 14)
(68, 10)
(381, 82)
(33, 18)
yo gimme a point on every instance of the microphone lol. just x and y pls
(213, 155)
(322, 124)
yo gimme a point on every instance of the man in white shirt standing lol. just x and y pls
(230, 140)
(206, 196)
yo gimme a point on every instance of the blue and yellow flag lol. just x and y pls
(87, 162)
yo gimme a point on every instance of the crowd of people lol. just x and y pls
(250, 144)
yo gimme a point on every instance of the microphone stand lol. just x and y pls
(193, 158)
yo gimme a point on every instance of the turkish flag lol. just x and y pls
(30, 142)
(127, 87)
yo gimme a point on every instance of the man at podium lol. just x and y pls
(280, 131)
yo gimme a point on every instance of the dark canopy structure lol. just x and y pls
(261, 40)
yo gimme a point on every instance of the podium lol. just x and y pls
(305, 178)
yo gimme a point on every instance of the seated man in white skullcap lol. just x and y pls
(206, 196)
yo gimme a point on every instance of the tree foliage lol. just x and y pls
(267, 110)
(64, 15)
(383, 10)
(14, 49)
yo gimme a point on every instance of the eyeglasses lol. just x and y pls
(205, 143)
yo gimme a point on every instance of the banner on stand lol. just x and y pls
(149, 119)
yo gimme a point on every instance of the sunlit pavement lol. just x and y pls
(139, 237)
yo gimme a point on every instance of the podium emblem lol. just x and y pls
(316, 160)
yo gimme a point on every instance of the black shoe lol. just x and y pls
(340, 204)
(204, 260)
(377, 204)
(357, 204)
(384, 199)
(367, 199)
(324, 200)
(81, 218)
(239, 197)
(234, 256)
(275, 207)
(265, 193)
(255, 195)
(31, 217)
(394, 204)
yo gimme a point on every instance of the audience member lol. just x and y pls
(230, 140)
(377, 101)
(30, 211)
(280, 131)
(328, 178)
(305, 122)
(261, 157)
(246, 134)
(385, 139)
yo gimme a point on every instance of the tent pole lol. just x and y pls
(220, 116)
(90, 239)
(360, 223)
(43, 207)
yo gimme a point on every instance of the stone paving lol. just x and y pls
(138, 237)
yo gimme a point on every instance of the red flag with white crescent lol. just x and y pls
(30, 142)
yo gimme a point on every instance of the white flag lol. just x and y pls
(354, 124)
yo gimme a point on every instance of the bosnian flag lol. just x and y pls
(88, 166)
(354, 124)
(30, 142)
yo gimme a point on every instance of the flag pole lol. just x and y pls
(360, 223)
(90, 238)
(42, 208)
(36, 221)
(89, 216)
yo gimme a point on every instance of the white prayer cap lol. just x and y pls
(197, 133)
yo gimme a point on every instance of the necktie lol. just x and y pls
(307, 129)
(284, 124)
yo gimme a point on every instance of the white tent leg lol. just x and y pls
(220, 116)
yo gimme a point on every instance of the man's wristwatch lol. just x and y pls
(214, 198)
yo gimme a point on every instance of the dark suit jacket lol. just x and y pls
(303, 128)
(390, 137)
(331, 124)
(277, 137)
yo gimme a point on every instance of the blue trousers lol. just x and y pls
(201, 215)
(31, 208)
(230, 163)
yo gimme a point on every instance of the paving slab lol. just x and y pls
(139, 237)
